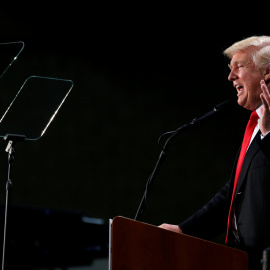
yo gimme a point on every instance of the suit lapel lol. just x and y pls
(252, 150)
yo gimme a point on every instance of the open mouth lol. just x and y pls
(239, 89)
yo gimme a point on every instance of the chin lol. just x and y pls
(241, 103)
(245, 105)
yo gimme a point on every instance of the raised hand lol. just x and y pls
(264, 122)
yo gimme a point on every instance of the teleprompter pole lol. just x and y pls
(12, 138)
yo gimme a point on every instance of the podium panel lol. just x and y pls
(140, 246)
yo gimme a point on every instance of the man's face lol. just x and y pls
(246, 79)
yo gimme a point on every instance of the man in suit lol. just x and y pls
(242, 206)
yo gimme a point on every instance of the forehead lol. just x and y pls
(241, 57)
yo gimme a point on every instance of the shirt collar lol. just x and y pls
(258, 111)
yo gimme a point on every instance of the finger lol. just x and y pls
(264, 87)
(265, 99)
(265, 94)
(265, 102)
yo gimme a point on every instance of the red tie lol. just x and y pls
(247, 137)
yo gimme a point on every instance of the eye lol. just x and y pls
(240, 66)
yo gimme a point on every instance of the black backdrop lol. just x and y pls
(138, 71)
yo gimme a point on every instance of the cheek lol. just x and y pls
(253, 86)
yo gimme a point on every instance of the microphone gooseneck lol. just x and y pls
(218, 109)
(222, 107)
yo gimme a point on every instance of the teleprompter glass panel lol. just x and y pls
(34, 107)
(9, 52)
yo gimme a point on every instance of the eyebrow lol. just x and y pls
(236, 62)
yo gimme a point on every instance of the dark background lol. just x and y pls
(138, 71)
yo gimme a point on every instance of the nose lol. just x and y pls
(232, 76)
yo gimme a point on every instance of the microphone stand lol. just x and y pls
(12, 138)
(157, 166)
(173, 134)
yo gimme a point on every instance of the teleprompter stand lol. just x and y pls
(30, 113)
(12, 139)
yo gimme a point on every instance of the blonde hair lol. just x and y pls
(258, 46)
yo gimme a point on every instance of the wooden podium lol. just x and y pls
(140, 246)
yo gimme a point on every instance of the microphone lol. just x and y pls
(217, 109)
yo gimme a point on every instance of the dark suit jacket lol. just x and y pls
(252, 203)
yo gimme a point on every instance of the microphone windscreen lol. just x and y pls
(224, 105)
